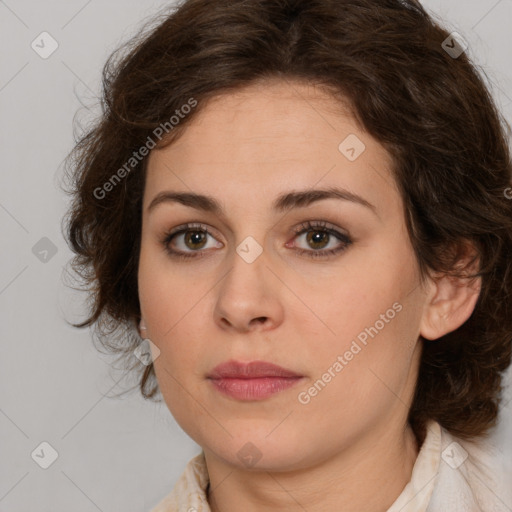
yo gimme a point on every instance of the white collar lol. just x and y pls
(449, 475)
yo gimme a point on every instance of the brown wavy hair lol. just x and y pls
(432, 111)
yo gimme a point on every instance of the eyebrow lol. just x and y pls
(287, 201)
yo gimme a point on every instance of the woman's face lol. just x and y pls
(252, 289)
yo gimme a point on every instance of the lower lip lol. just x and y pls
(253, 389)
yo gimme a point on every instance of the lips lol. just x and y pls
(251, 370)
(256, 380)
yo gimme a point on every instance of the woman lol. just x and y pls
(301, 208)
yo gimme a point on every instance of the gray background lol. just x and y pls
(114, 454)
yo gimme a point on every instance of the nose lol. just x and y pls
(249, 296)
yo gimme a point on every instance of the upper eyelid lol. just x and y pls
(301, 226)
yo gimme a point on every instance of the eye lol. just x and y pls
(319, 236)
(187, 241)
(195, 239)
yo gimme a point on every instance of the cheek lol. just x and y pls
(364, 373)
(370, 318)
(165, 293)
(171, 303)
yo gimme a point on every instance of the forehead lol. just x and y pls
(268, 138)
(273, 119)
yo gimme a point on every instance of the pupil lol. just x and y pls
(195, 237)
(317, 237)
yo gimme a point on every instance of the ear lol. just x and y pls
(450, 302)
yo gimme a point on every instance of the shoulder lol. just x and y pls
(472, 476)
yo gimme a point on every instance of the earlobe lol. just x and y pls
(449, 305)
(142, 328)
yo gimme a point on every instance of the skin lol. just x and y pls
(301, 313)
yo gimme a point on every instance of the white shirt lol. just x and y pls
(449, 475)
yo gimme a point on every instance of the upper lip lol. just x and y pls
(251, 370)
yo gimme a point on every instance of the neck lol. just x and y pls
(369, 475)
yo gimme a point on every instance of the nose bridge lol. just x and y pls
(248, 263)
(247, 290)
(252, 244)
(250, 231)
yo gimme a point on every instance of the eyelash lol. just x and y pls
(320, 226)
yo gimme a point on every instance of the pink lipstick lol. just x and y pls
(255, 380)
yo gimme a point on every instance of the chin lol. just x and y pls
(258, 452)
